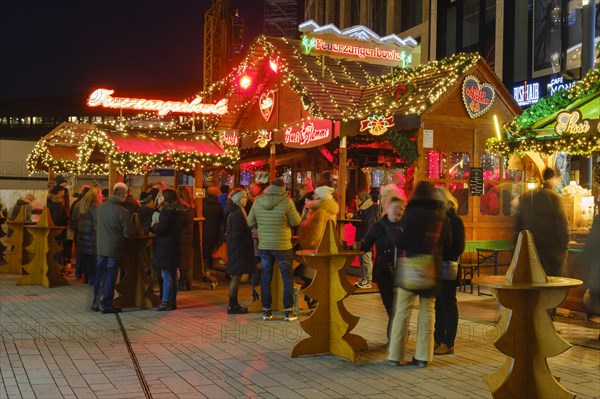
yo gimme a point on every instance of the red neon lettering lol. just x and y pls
(361, 52)
(103, 98)
(307, 134)
(477, 95)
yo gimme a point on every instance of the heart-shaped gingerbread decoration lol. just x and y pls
(266, 104)
(477, 97)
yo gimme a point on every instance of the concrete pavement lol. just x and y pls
(54, 346)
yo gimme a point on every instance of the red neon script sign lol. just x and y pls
(104, 98)
(308, 134)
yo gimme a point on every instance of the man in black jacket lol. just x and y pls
(113, 228)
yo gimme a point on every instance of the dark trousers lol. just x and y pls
(87, 267)
(446, 314)
(386, 291)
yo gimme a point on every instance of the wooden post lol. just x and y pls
(175, 178)
(272, 160)
(145, 182)
(198, 184)
(50, 177)
(113, 176)
(198, 260)
(236, 175)
(342, 177)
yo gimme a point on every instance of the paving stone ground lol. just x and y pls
(52, 346)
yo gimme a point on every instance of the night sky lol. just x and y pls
(56, 47)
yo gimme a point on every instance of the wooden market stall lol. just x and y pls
(324, 104)
(100, 150)
(557, 132)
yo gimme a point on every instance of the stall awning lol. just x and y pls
(568, 121)
(146, 143)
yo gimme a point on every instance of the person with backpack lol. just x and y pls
(367, 213)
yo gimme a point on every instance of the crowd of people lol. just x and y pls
(258, 223)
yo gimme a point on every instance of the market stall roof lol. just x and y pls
(86, 149)
(338, 89)
(57, 150)
(134, 152)
(537, 128)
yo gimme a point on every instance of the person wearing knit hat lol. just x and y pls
(324, 192)
(312, 228)
(366, 211)
(240, 246)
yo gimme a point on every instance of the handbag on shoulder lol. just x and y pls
(415, 272)
(418, 272)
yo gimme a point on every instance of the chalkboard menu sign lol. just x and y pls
(476, 181)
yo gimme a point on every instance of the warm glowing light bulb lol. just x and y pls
(245, 82)
(273, 65)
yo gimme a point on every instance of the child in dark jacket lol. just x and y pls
(367, 213)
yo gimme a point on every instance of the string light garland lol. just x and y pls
(520, 140)
(304, 77)
(139, 163)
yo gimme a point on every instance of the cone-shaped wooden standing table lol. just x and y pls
(41, 268)
(528, 335)
(136, 288)
(330, 325)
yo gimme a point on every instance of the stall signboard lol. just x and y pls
(230, 137)
(574, 123)
(478, 97)
(266, 104)
(310, 133)
(356, 42)
(476, 181)
(103, 98)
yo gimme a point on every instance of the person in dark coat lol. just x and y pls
(211, 227)
(86, 234)
(73, 217)
(167, 246)
(57, 206)
(307, 192)
(113, 228)
(224, 195)
(424, 230)
(382, 235)
(446, 308)
(131, 204)
(591, 262)
(240, 246)
(367, 213)
(542, 212)
(146, 210)
(187, 239)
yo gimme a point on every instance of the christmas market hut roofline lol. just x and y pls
(333, 88)
(57, 150)
(534, 131)
(132, 151)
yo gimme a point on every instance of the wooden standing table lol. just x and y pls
(330, 325)
(40, 267)
(528, 335)
(136, 288)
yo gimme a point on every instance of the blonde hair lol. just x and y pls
(91, 197)
(446, 197)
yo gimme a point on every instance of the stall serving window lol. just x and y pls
(502, 186)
